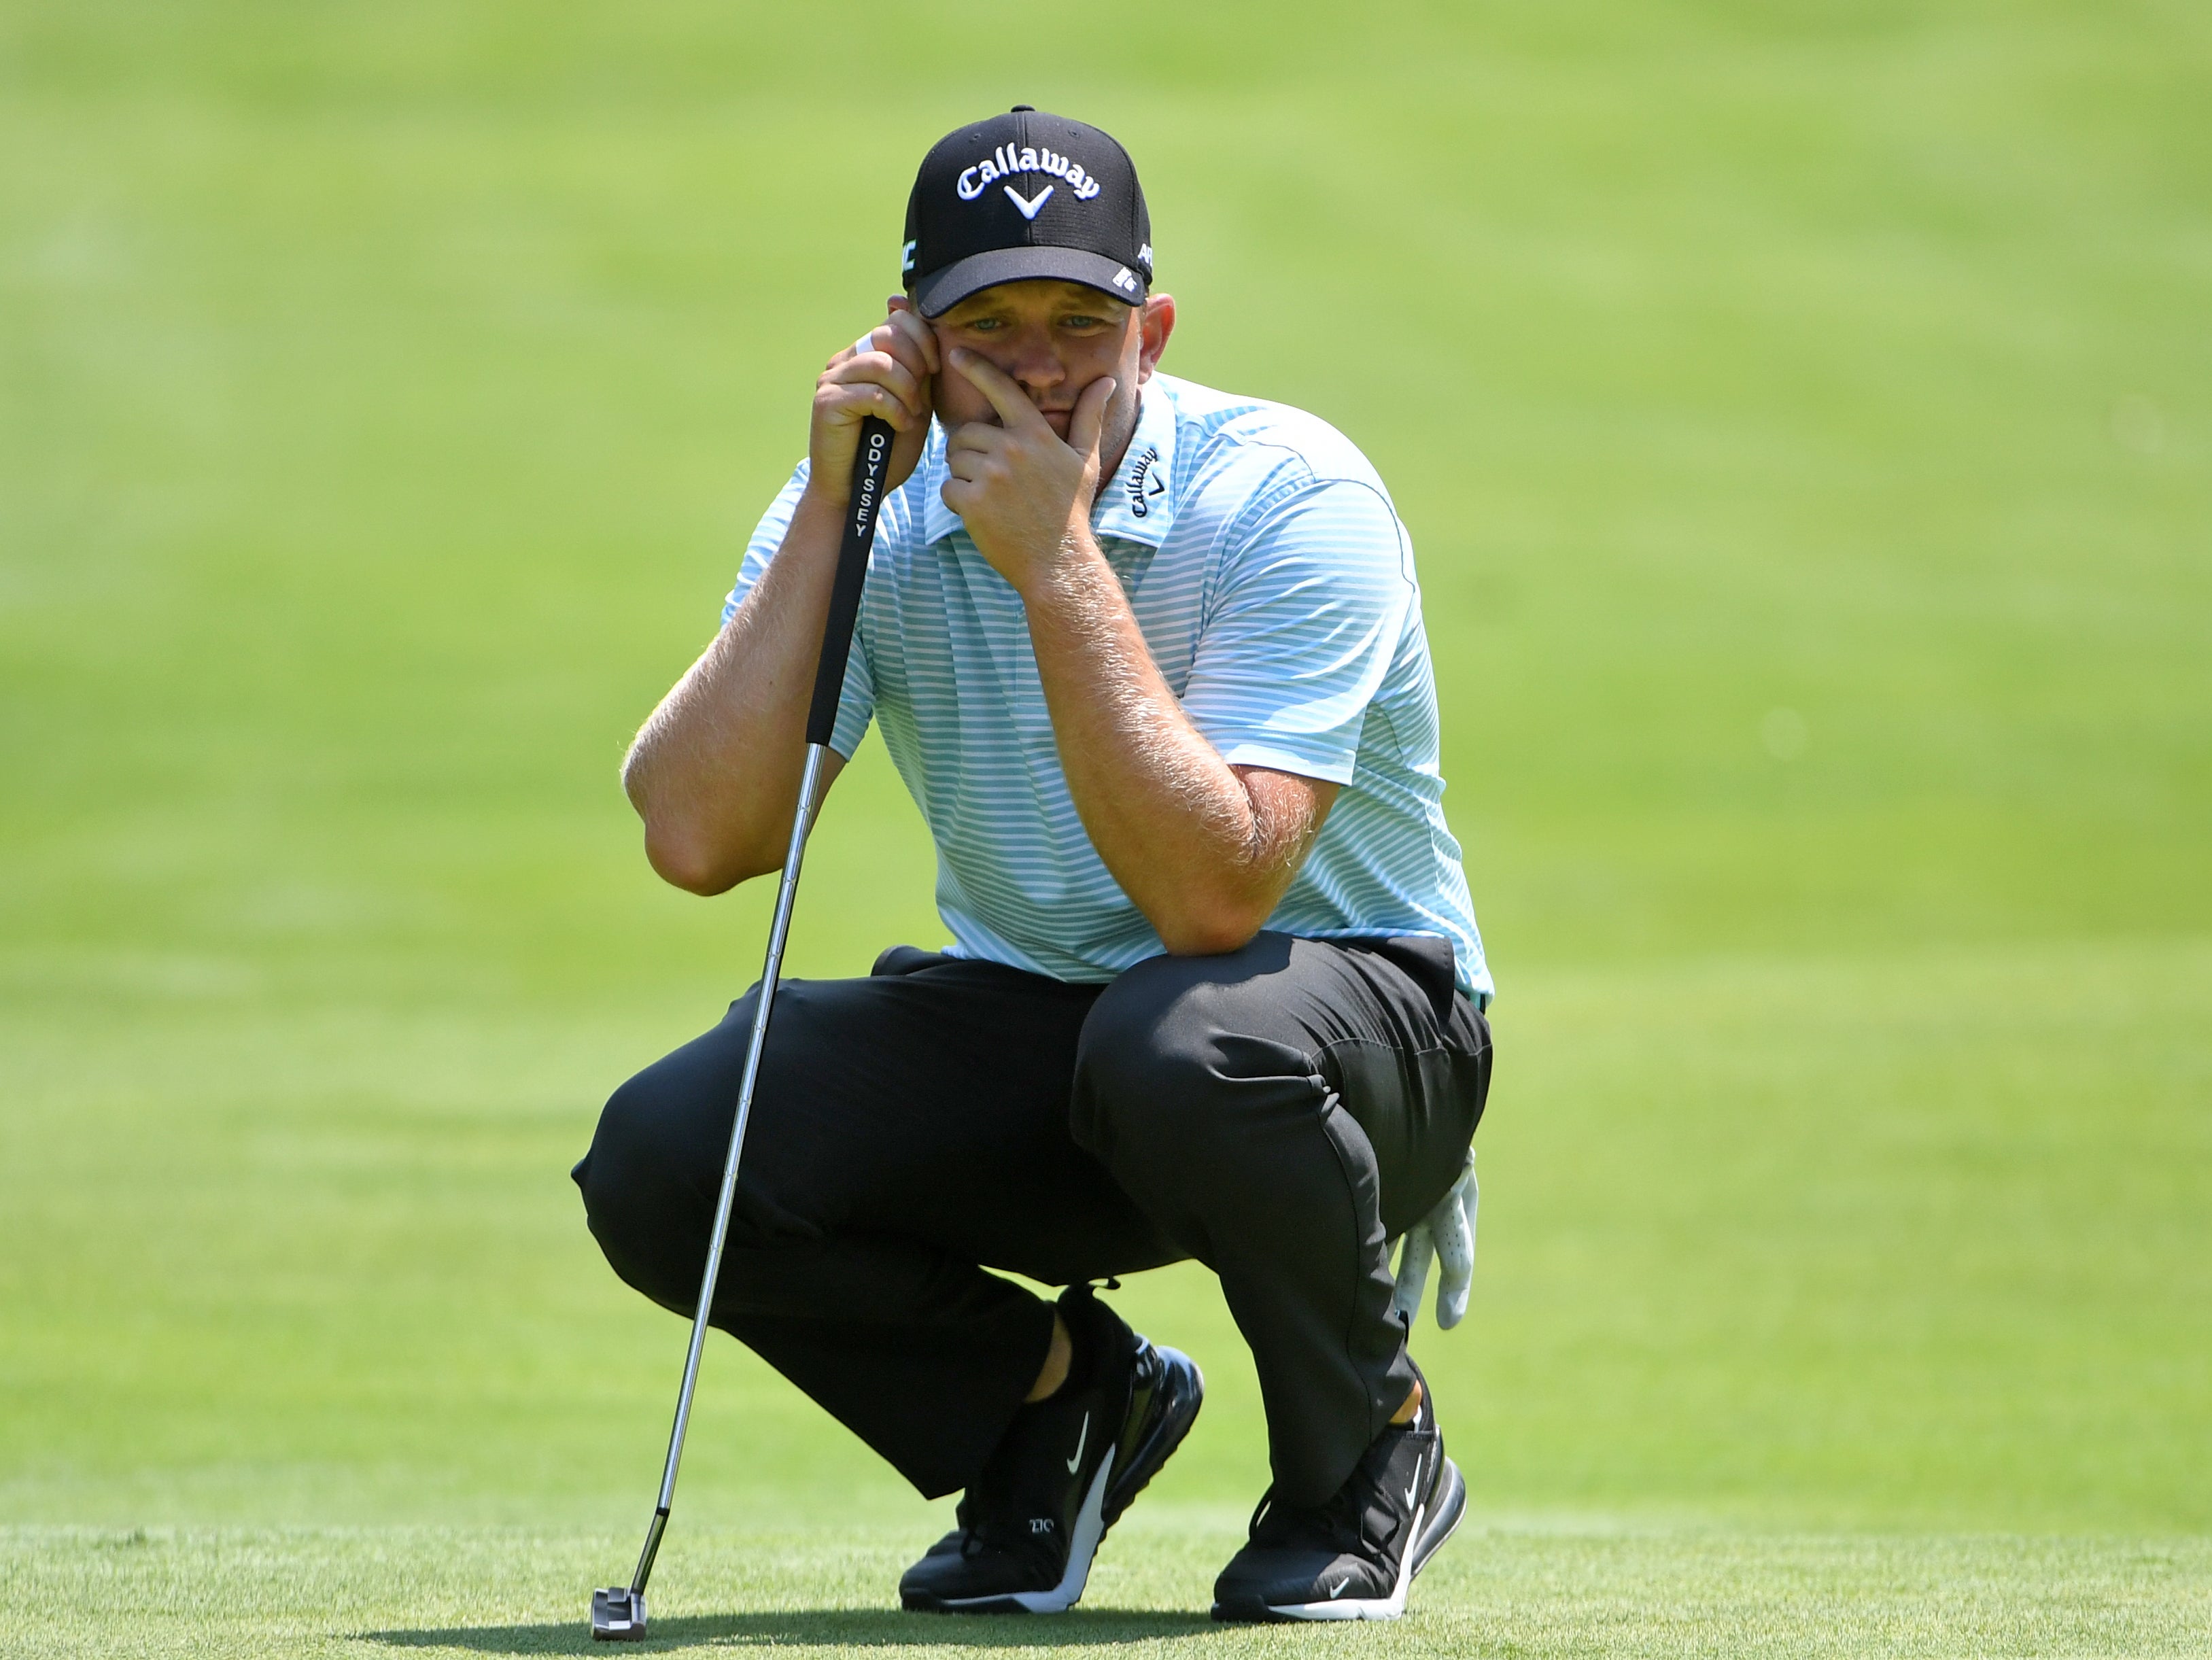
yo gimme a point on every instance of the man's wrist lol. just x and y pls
(1067, 570)
(821, 495)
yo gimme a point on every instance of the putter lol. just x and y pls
(618, 1611)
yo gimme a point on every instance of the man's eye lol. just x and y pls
(1082, 322)
(986, 325)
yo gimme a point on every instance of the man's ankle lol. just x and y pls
(1411, 1409)
(1059, 1359)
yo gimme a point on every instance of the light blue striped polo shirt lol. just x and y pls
(1274, 586)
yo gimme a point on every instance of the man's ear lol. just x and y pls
(1155, 322)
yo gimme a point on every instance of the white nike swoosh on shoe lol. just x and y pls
(1362, 1607)
(1337, 1590)
(1082, 1546)
(1412, 1493)
(1027, 208)
(1083, 1435)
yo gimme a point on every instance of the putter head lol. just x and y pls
(618, 1616)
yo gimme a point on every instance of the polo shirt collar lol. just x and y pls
(1137, 504)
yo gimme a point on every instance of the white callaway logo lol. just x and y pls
(1006, 161)
(1028, 209)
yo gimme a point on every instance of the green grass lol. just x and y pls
(383, 1594)
(1804, 416)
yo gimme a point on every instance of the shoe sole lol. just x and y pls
(1429, 1532)
(1092, 1521)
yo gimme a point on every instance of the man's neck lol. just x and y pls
(1115, 448)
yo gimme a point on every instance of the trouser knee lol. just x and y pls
(642, 1207)
(650, 1183)
(1170, 1099)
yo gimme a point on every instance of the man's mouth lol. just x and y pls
(1059, 419)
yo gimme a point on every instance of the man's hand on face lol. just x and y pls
(886, 374)
(1024, 496)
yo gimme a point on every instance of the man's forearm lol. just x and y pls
(1205, 850)
(715, 771)
(1179, 828)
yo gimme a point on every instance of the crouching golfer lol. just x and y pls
(1150, 658)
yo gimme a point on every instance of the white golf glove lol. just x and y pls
(1445, 1234)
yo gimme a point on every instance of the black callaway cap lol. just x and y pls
(1023, 195)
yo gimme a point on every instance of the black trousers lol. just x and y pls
(1276, 1113)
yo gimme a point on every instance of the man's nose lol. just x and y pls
(1036, 366)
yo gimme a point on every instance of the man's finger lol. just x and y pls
(966, 464)
(1456, 1257)
(980, 437)
(908, 339)
(852, 401)
(884, 370)
(1005, 394)
(915, 327)
(1088, 424)
(890, 344)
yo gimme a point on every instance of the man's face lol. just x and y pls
(1054, 339)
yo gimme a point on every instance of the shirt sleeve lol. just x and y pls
(856, 707)
(1304, 622)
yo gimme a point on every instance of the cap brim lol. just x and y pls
(942, 289)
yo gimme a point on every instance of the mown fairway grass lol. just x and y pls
(388, 1593)
(1801, 412)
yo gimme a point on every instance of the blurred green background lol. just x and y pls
(1803, 412)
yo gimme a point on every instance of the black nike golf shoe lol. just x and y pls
(1068, 1467)
(1353, 1556)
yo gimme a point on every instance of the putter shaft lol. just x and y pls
(871, 469)
(787, 890)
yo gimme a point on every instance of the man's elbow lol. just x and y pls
(1214, 931)
(692, 862)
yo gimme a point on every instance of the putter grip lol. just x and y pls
(872, 465)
